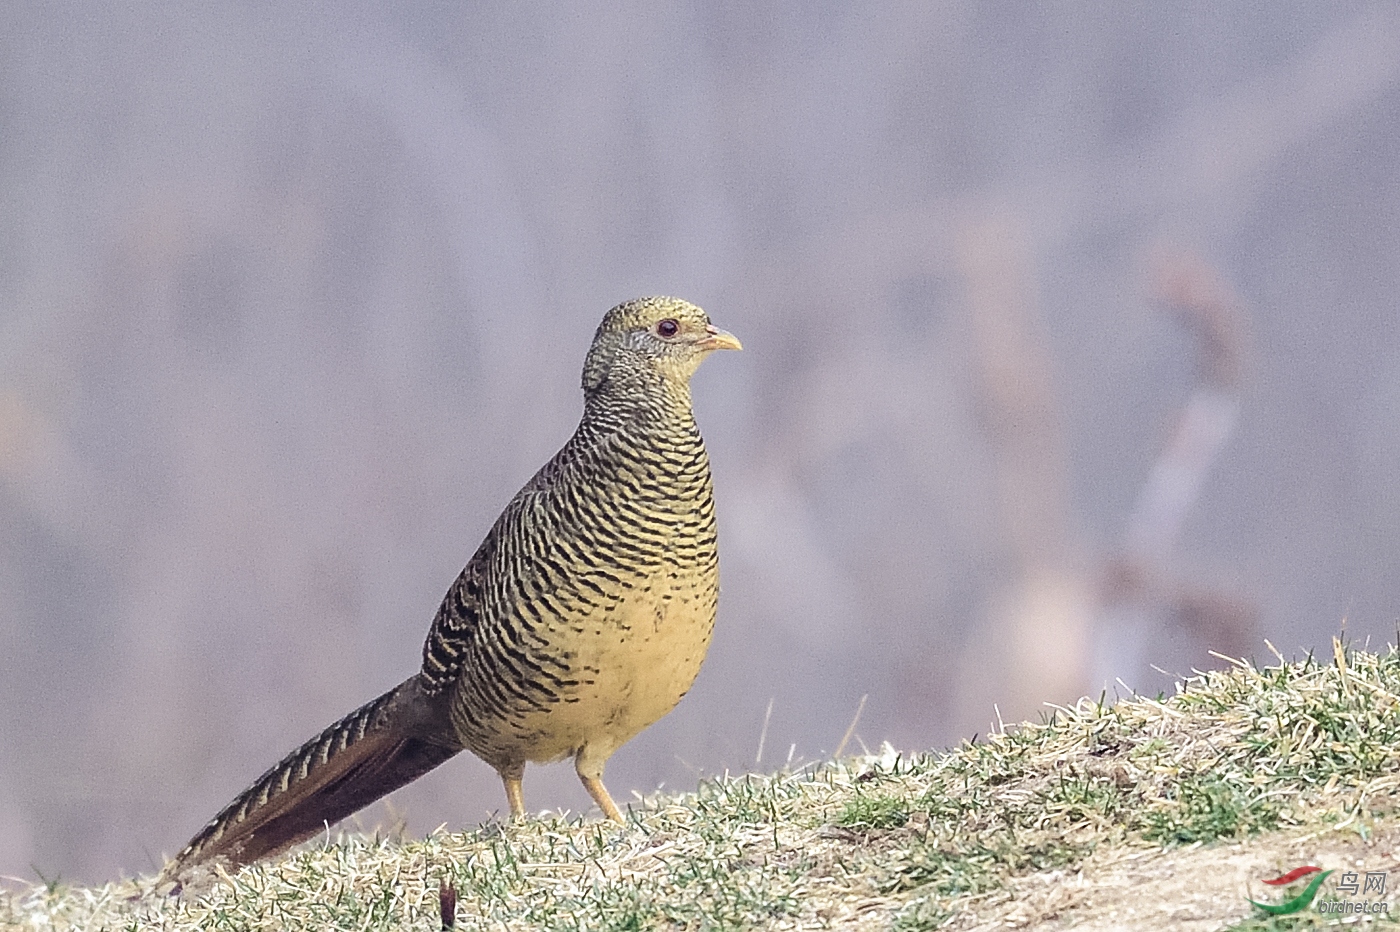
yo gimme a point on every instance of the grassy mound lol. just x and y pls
(1148, 813)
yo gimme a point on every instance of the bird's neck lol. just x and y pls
(644, 404)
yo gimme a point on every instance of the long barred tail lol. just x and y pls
(367, 754)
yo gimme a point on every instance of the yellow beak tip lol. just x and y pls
(721, 339)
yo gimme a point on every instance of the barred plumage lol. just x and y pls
(581, 619)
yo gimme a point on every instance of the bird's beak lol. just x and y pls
(718, 339)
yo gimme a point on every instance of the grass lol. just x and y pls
(1302, 752)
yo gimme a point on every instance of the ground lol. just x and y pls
(1150, 813)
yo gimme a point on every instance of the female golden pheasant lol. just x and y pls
(582, 618)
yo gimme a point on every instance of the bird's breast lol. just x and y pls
(608, 623)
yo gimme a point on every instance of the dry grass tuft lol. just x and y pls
(1299, 754)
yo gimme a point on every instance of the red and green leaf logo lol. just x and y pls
(1303, 900)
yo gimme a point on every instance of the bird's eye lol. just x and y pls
(667, 328)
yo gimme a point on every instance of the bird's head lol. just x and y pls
(666, 336)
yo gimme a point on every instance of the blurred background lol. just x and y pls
(1071, 355)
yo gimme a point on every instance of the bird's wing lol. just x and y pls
(459, 617)
(457, 620)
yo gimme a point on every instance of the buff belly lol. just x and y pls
(632, 666)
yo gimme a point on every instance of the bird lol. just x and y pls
(582, 618)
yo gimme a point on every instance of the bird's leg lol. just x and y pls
(590, 771)
(599, 792)
(512, 777)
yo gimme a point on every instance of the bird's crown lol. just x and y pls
(646, 313)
